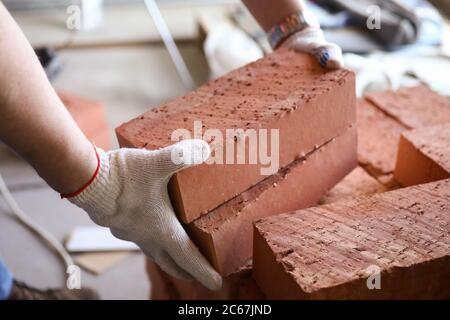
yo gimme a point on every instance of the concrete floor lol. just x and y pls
(129, 80)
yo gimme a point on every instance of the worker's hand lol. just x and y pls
(129, 196)
(311, 40)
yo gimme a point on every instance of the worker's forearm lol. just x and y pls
(33, 120)
(270, 12)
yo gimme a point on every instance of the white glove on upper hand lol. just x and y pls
(129, 196)
(311, 40)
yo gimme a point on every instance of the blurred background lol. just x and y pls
(112, 60)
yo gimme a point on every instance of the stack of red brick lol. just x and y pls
(299, 254)
(383, 117)
(400, 237)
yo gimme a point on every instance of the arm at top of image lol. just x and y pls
(289, 23)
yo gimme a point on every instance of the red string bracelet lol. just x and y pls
(73, 194)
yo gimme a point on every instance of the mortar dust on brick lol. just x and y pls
(286, 90)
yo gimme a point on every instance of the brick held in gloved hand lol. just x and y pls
(286, 90)
(224, 235)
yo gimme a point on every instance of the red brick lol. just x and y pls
(286, 90)
(89, 116)
(238, 285)
(324, 252)
(356, 183)
(378, 137)
(225, 234)
(414, 107)
(423, 155)
(160, 287)
(249, 290)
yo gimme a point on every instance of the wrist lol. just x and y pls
(81, 170)
(290, 25)
(98, 196)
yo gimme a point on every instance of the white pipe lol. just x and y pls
(170, 44)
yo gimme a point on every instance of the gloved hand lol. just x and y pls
(311, 40)
(129, 195)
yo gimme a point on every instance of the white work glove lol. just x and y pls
(311, 40)
(129, 196)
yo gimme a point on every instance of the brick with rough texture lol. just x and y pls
(285, 90)
(423, 155)
(356, 183)
(328, 252)
(225, 235)
(414, 107)
(378, 137)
